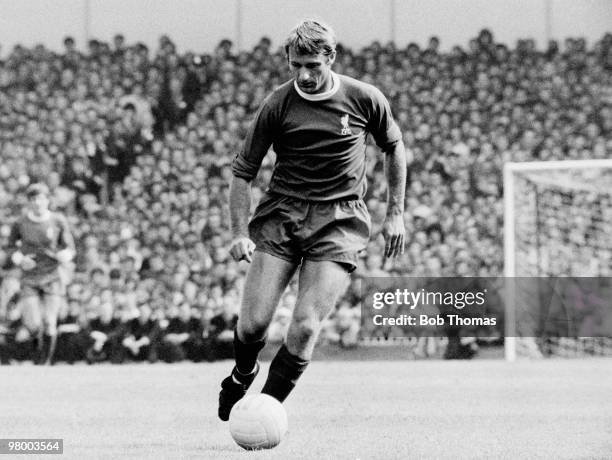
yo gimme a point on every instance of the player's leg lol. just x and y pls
(321, 284)
(266, 281)
(32, 319)
(331, 237)
(9, 287)
(51, 305)
(30, 311)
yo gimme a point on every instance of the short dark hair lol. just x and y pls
(37, 189)
(311, 37)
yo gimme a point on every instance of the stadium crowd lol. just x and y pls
(136, 146)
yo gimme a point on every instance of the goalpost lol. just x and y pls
(557, 222)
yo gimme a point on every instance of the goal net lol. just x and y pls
(557, 226)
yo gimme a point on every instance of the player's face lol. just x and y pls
(39, 204)
(312, 72)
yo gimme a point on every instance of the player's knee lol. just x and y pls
(50, 329)
(303, 330)
(31, 316)
(32, 325)
(319, 302)
(252, 329)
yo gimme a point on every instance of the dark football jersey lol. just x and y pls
(319, 143)
(41, 240)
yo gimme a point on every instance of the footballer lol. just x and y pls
(42, 247)
(312, 219)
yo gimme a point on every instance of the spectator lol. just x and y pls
(105, 334)
(141, 340)
(71, 340)
(182, 338)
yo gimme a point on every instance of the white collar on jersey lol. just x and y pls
(42, 218)
(320, 96)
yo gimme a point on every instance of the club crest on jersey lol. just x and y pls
(346, 130)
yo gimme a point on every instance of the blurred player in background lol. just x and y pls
(313, 215)
(43, 247)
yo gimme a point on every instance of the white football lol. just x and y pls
(258, 421)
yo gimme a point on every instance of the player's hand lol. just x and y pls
(394, 233)
(28, 263)
(242, 248)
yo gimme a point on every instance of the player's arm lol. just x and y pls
(240, 204)
(68, 252)
(389, 138)
(245, 168)
(13, 244)
(393, 229)
(65, 241)
(24, 261)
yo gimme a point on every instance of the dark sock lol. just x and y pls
(246, 354)
(285, 370)
(42, 349)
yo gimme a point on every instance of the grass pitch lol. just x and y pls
(550, 409)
